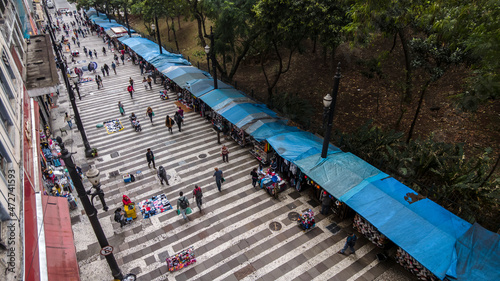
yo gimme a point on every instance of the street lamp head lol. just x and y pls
(94, 176)
(207, 49)
(153, 27)
(327, 100)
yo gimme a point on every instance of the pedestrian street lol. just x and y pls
(242, 234)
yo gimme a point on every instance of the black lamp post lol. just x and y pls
(64, 69)
(91, 212)
(126, 20)
(94, 176)
(156, 27)
(207, 51)
(76, 81)
(329, 103)
(214, 65)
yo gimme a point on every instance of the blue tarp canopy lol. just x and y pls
(199, 87)
(241, 114)
(338, 173)
(182, 74)
(478, 253)
(297, 145)
(167, 60)
(149, 50)
(425, 230)
(263, 129)
(213, 98)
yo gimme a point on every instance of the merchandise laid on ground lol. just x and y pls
(181, 259)
(155, 205)
(429, 237)
(113, 126)
(306, 220)
(272, 182)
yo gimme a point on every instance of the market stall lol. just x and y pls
(181, 259)
(272, 182)
(113, 126)
(262, 151)
(155, 205)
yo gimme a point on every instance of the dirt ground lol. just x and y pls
(361, 98)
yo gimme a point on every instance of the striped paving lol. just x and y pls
(232, 238)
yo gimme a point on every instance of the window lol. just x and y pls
(6, 122)
(6, 62)
(5, 85)
(5, 162)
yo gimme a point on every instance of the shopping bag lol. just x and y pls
(178, 212)
(222, 179)
(153, 113)
(188, 211)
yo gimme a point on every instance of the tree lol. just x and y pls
(475, 26)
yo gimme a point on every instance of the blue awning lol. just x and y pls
(294, 146)
(215, 97)
(199, 87)
(240, 114)
(425, 230)
(266, 128)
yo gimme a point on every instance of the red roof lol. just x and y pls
(60, 246)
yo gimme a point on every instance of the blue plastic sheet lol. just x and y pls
(338, 173)
(199, 87)
(263, 129)
(298, 145)
(246, 111)
(215, 97)
(425, 230)
(478, 253)
(177, 71)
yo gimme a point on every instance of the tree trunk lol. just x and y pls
(314, 44)
(394, 42)
(175, 37)
(417, 112)
(406, 51)
(179, 21)
(168, 30)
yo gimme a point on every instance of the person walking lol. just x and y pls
(85, 51)
(145, 83)
(106, 68)
(130, 90)
(150, 114)
(98, 83)
(349, 243)
(149, 83)
(141, 66)
(113, 66)
(151, 158)
(78, 43)
(218, 178)
(225, 153)
(103, 71)
(104, 50)
(178, 120)
(116, 59)
(122, 57)
(162, 175)
(95, 53)
(198, 195)
(182, 205)
(90, 54)
(255, 176)
(181, 113)
(100, 80)
(120, 107)
(169, 123)
(326, 202)
(131, 81)
(67, 118)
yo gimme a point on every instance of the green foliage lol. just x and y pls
(440, 171)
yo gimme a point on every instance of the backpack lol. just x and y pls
(198, 193)
(184, 203)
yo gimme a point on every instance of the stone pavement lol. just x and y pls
(232, 238)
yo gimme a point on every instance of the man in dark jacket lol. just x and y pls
(326, 202)
(162, 175)
(198, 195)
(151, 158)
(350, 242)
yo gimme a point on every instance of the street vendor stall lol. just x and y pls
(181, 259)
(272, 182)
(155, 205)
(262, 151)
(113, 126)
